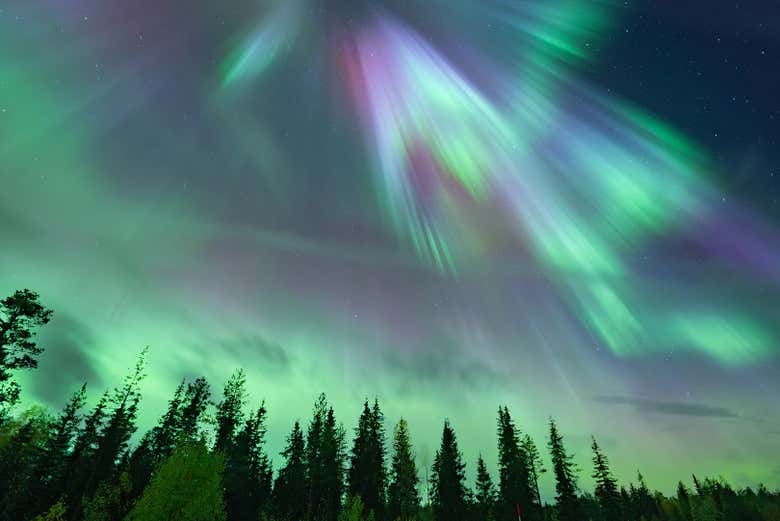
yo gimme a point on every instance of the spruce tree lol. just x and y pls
(248, 470)
(684, 500)
(21, 314)
(564, 469)
(50, 470)
(119, 427)
(606, 486)
(484, 492)
(325, 459)
(516, 491)
(403, 498)
(290, 487)
(193, 408)
(230, 411)
(82, 458)
(536, 464)
(642, 499)
(448, 487)
(367, 475)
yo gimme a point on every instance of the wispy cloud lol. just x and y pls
(644, 405)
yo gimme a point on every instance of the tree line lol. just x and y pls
(205, 459)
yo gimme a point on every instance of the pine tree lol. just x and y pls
(536, 464)
(325, 460)
(248, 470)
(606, 486)
(645, 506)
(193, 408)
(367, 475)
(448, 488)
(119, 427)
(485, 492)
(82, 458)
(230, 411)
(403, 498)
(515, 486)
(684, 500)
(567, 504)
(21, 314)
(51, 467)
(290, 487)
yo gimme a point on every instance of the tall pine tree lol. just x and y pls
(230, 411)
(516, 491)
(448, 482)
(290, 487)
(606, 486)
(248, 471)
(367, 475)
(484, 493)
(325, 459)
(403, 498)
(564, 469)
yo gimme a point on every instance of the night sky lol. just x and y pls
(568, 207)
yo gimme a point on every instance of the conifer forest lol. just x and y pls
(205, 459)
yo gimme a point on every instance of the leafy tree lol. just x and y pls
(57, 512)
(515, 484)
(449, 494)
(179, 424)
(367, 475)
(186, 487)
(110, 501)
(606, 486)
(485, 492)
(21, 314)
(403, 498)
(354, 511)
(290, 485)
(564, 469)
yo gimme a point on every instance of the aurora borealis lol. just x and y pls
(568, 207)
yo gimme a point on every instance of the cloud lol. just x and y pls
(251, 346)
(643, 405)
(65, 364)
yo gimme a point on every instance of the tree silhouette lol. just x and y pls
(515, 485)
(606, 486)
(403, 498)
(567, 504)
(484, 492)
(21, 314)
(291, 486)
(448, 480)
(366, 477)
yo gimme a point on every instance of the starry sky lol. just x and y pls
(567, 207)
